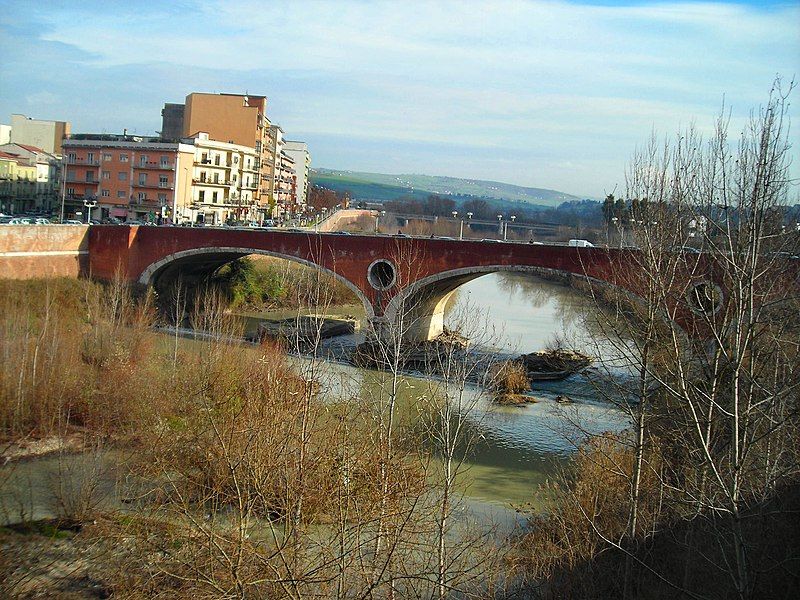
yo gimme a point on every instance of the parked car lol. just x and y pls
(72, 222)
(42, 221)
(581, 244)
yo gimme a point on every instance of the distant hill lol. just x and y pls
(383, 186)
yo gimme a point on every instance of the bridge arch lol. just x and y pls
(423, 302)
(200, 262)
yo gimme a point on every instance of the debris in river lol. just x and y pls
(554, 365)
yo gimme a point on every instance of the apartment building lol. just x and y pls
(128, 177)
(46, 192)
(231, 118)
(298, 151)
(224, 183)
(47, 135)
(286, 186)
(17, 184)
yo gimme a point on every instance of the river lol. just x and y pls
(516, 449)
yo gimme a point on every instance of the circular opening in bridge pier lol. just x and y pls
(705, 298)
(381, 274)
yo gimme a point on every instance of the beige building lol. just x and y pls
(47, 135)
(17, 184)
(281, 176)
(302, 163)
(48, 175)
(224, 182)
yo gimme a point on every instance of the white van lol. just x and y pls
(581, 244)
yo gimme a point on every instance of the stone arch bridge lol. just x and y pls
(391, 275)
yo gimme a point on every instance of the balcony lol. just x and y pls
(83, 162)
(73, 179)
(215, 183)
(209, 164)
(154, 186)
(155, 165)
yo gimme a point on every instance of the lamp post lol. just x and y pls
(378, 215)
(89, 204)
(461, 231)
(455, 216)
(500, 224)
(505, 233)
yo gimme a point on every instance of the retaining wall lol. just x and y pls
(40, 251)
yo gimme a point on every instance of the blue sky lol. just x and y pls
(548, 94)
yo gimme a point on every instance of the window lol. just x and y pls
(105, 193)
(236, 160)
(89, 176)
(216, 177)
(248, 163)
(162, 198)
(204, 158)
(143, 160)
(163, 181)
(72, 157)
(164, 161)
(216, 160)
(71, 175)
(123, 158)
(106, 174)
(121, 194)
(122, 176)
(142, 178)
(106, 157)
(201, 196)
(214, 197)
(203, 177)
(142, 196)
(90, 157)
(233, 177)
(70, 191)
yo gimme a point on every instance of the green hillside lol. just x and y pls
(383, 186)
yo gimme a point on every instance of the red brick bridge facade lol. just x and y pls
(391, 275)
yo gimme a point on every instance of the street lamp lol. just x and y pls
(89, 204)
(461, 228)
(378, 215)
(505, 231)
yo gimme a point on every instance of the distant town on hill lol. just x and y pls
(381, 187)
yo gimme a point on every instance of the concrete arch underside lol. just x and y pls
(421, 305)
(195, 266)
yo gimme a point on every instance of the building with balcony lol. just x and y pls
(298, 151)
(128, 177)
(17, 184)
(230, 118)
(224, 180)
(48, 175)
(47, 135)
